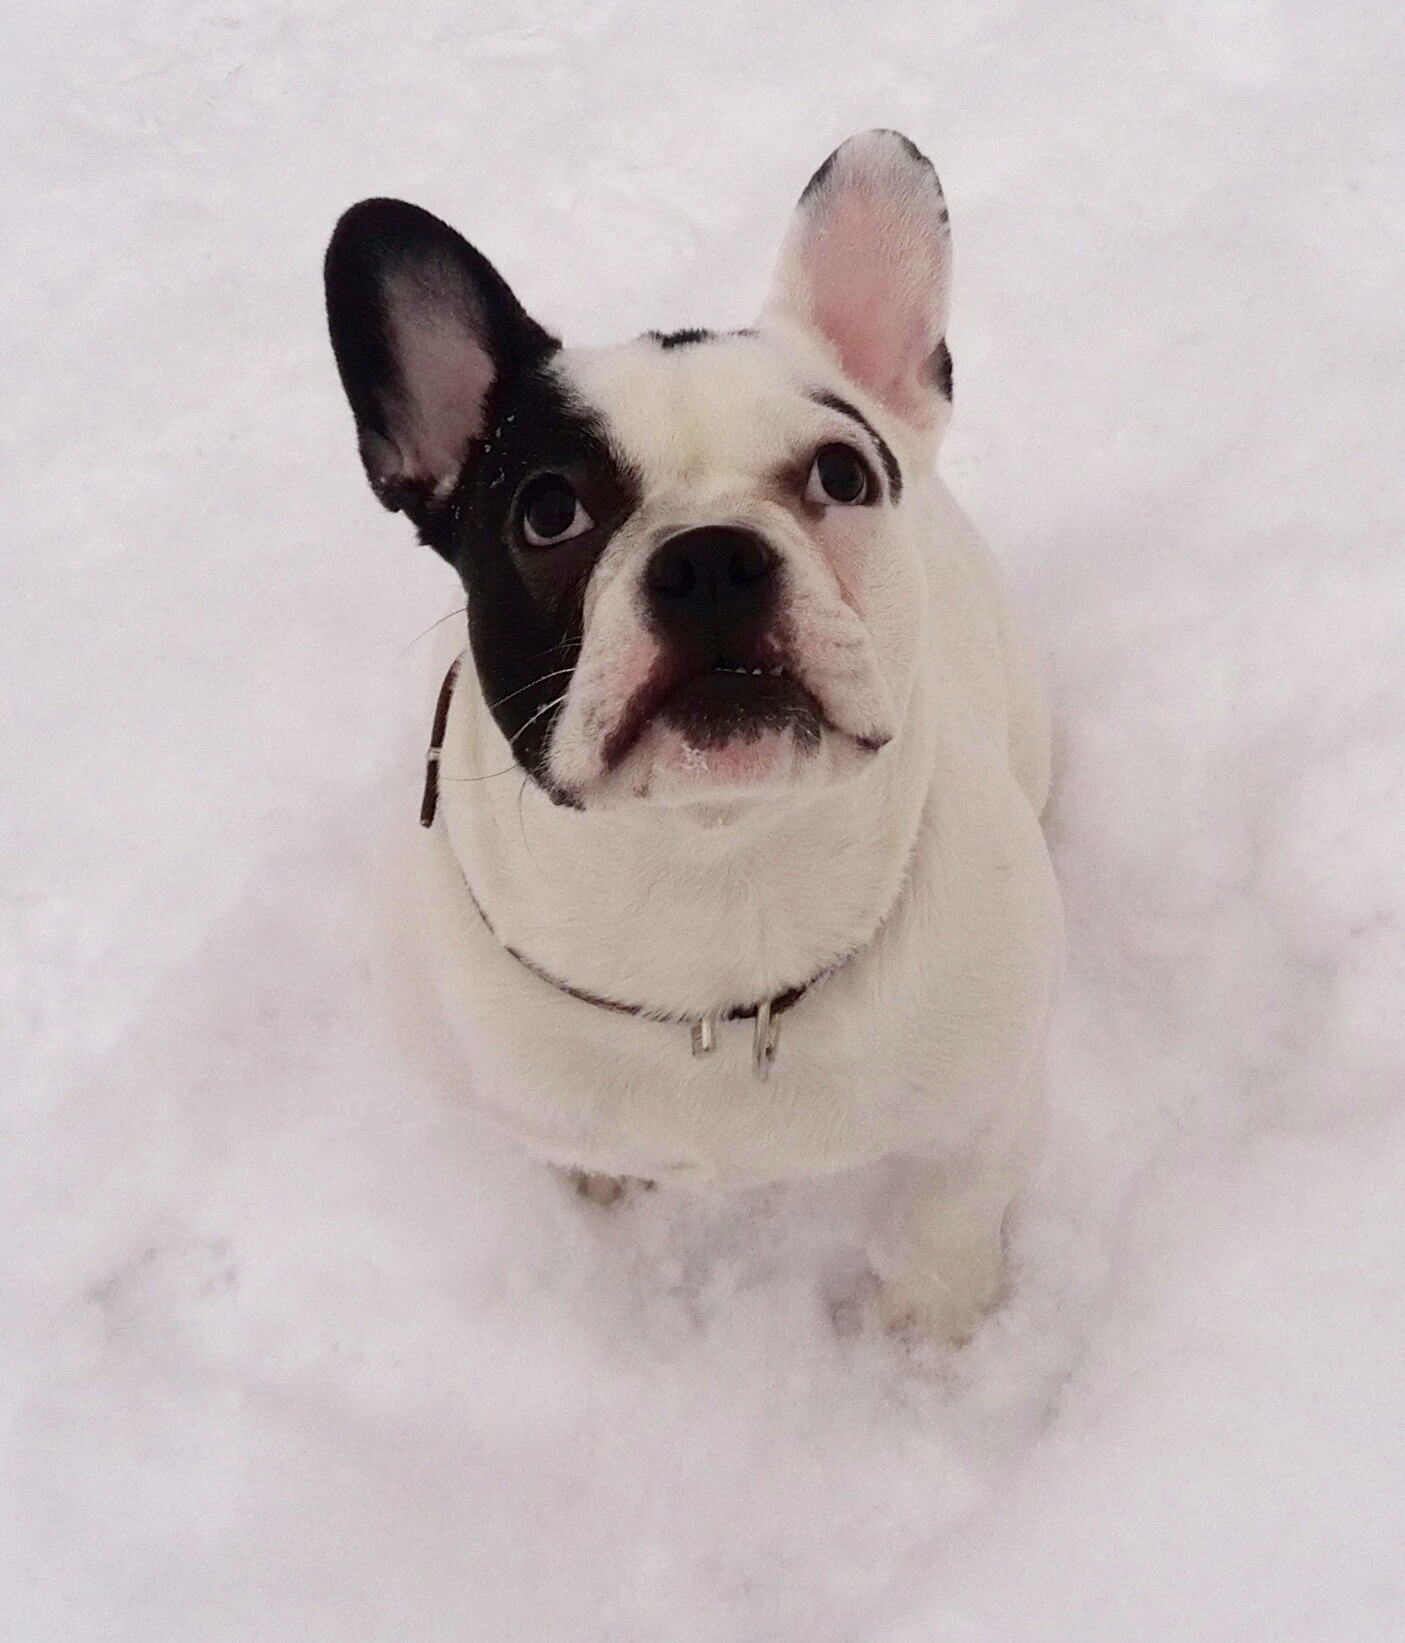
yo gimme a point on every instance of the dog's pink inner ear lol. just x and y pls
(866, 267)
(445, 374)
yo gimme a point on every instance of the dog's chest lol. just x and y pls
(898, 1052)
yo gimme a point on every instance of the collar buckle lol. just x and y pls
(765, 1041)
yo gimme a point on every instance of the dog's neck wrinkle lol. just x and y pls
(648, 908)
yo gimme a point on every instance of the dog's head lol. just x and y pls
(690, 563)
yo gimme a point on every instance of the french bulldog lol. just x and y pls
(731, 868)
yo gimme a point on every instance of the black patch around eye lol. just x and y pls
(890, 463)
(525, 605)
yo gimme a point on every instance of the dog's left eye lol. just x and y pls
(551, 512)
(838, 474)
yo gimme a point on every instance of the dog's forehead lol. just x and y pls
(695, 405)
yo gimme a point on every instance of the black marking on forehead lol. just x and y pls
(668, 340)
(525, 605)
(889, 461)
(681, 339)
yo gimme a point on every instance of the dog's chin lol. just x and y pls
(720, 747)
(720, 742)
(718, 779)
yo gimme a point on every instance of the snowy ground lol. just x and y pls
(284, 1361)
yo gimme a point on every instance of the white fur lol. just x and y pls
(677, 887)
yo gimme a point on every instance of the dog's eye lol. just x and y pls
(551, 512)
(838, 474)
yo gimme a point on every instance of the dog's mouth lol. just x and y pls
(713, 706)
(740, 704)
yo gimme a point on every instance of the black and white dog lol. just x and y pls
(770, 895)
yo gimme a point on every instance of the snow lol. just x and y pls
(289, 1352)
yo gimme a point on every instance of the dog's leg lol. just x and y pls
(943, 1267)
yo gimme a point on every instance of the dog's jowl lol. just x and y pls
(732, 868)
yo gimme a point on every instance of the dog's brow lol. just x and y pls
(890, 463)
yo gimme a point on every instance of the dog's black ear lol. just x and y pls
(866, 269)
(423, 327)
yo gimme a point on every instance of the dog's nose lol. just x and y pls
(713, 574)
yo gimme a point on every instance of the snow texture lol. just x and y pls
(289, 1354)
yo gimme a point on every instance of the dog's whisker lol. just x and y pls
(487, 777)
(522, 818)
(508, 769)
(557, 673)
(461, 611)
(544, 709)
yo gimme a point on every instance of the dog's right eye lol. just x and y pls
(838, 474)
(550, 511)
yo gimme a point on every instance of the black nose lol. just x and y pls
(715, 575)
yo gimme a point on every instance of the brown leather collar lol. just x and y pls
(703, 1026)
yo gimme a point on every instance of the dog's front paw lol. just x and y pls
(942, 1261)
(944, 1310)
